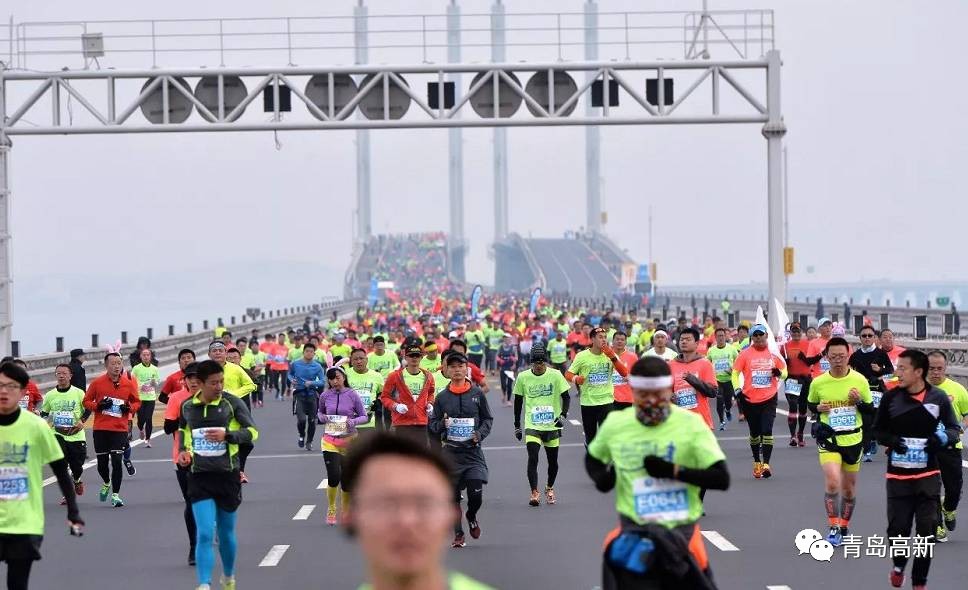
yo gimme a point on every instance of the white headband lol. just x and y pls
(661, 382)
(663, 332)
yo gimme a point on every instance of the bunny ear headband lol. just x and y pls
(114, 349)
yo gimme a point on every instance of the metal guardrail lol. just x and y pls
(41, 367)
(391, 38)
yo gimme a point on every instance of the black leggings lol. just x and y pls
(552, 454)
(475, 499)
(797, 419)
(913, 502)
(724, 400)
(759, 418)
(334, 468)
(951, 477)
(144, 417)
(114, 474)
(245, 448)
(591, 418)
(18, 573)
(182, 475)
(507, 385)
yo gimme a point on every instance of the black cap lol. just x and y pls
(455, 358)
(413, 349)
(76, 352)
(539, 354)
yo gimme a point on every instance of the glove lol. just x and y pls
(579, 380)
(802, 356)
(898, 446)
(401, 408)
(691, 379)
(560, 421)
(777, 372)
(430, 409)
(125, 408)
(517, 432)
(937, 441)
(105, 404)
(607, 350)
(658, 467)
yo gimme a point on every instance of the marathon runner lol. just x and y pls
(950, 457)
(722, 356)
(192, 384)
(113, 398)
(915, 421)
(543, 393)
(308, 379)
(893, 352)
(657, 456)
(659, 348)
(873, 363)
(176, 381)
(367, 383)
(591, 372)
(814, 355)
(408, 395)
(507, 362)
(797, 385)
(149, 380)
(462, 420)
(341, 411)
(622, 390)
(404, 498)
(64, 406)
(842, 399)
(212, 426)
(761, 371)
(693, 377)
(558, 351)
(26, 445)
(254, 362)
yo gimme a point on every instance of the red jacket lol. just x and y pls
(395, 391)
(126, 391)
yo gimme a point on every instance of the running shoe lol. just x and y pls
(758, 470)
(868, 458)
(243, 478)
(331, 517)
(941, 534)
(835, 537)
(550, 495)
(897, 577)
(130, 467)
(949, 519)
(729, 415)
(63, 502)
(722, 425)
(800, 440)
(147, 443)
(309, 446)
(458, 541)
(116, 501)
(475, 529)
(203, 587)
(793, 441)
(535, 498)
(767, 473)
(228, 583)
(104, 493)
(79, 488)
(301, 442)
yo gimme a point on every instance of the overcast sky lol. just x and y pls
(876, 138)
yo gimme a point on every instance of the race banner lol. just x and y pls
(476, 299)
(535, 296)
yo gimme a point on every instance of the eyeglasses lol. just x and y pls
(10, 387)
(866, 335)
(386, 509)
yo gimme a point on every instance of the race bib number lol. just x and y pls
(722, 365)
(24, 402)
(204, 447)
(843, 418)
(916, 456)
(659, 500)
(542, 415)
(336, 425)
(597, 379)
(147, 388)
(115, 409)
(762, 379)
(793, 387)
(617, 379)
(460, 429)
(824, 365)
(63, 419)
(876, 398)
(13, 483)
(686, 399)
(366, 398)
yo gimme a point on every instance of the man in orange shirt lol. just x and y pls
(815, 356)
(694, 379)
(797, 385)
(893, 353)
(761, 371)
(623, 391)
(113, 398)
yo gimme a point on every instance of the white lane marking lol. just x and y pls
(323, 484)
(964, 464)
(575, 422)
(719, 541)
(778, 588)
(274, 556)
(93, 462)
(304, 512)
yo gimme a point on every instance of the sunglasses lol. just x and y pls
(866, 335)
(414, 355)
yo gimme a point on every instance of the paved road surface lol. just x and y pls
(143, 545)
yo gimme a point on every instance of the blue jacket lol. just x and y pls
(300, 371)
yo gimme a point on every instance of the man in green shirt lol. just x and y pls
(27, 444)
(254, 362)
(494, 337)
(949, 458)
(402, 491)
(431, 358)
(542, 393)
(474, 337)
(64, 408)
(591, 372)
(381, 359)
(558, 351)
(367, 383)
(722, 356)
(657, 456)
(149, 381)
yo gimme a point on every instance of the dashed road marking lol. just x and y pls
(778, 588)
(304, 512)
(575, 422)
(719, 541)
(323, 484)
(274, 556)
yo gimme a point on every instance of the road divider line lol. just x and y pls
(964, 464)
(323, 484)
(778, 588)
(719, 541)
(274, 556)
(304, 512)
(93, 462)
(575, 422)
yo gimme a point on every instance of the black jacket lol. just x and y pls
(78, 375)
(901, 416)
(470, 404)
